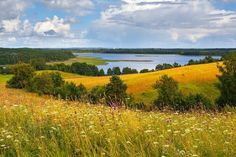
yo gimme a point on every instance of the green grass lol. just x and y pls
(94, 61)
(40, 126)
(4, 78)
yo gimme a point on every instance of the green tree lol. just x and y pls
(23, 73)
(115, 92)
(169, 94)
(38, 64)
(116, 71)
(97, 95)
(227, 80)
(101, 72)
(46, 83)
(110, 72)
(69, 91)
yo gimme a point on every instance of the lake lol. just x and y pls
(139, 61)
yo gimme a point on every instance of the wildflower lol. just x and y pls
(128, 142)
(148, 131)
(9, 136)
(155, 143)
(187, 131)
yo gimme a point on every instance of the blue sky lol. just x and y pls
(118, 23)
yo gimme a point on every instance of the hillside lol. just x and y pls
(195, 78)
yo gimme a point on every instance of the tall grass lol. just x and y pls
(34, 126)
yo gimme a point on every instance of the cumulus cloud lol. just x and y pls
(78, 7)
(51, 27)
(10, 9)
(176, 19)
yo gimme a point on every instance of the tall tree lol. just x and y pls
(227, 80)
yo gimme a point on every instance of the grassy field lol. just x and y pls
(94, 61)
(195, 79)
(192, 79)
(88, 60)
(40, 126)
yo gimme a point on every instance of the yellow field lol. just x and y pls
(195, 78)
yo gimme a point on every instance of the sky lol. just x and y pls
(118, 23)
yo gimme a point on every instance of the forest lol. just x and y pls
(13, 56)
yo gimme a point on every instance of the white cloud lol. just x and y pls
(11, 9)
(178, 20)
(78, 7)
(53, 27)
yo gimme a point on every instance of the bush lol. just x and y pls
(198, 101)
(46, 83)
(23, 73)
(69, 91)
(144, 71)
(97, 94)
(172, 98)
(38, 64)
(128, 70)
(168, 91)
(227, 80)
(115, 92)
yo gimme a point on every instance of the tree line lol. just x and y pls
(216, 52)
(114, 93)
(92, 70)
(13, 56)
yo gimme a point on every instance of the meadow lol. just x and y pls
(41, 126)
(192, 79)
(88, 60)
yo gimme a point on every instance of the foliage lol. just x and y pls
(128, 70)
(13, 56)
(167, 66)
(115, 92)
(44, 127)
(69, 91)
(144, 71)
(168, 91)
(227, 80)
(23, 73)
(207, 59)
(46, 83)
(116, 70)
(172, 98)
(38, 64)
(96, 95)
(77, 68)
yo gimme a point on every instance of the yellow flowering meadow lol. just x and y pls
(41, 126)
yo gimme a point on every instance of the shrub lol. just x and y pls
(97, 95)
(46, 83)
(227, 80)
(144, 71)
(23, 73)
(116, 71)
(115, 92)
(38, 64)
(69, 91)
(128, 70)
(169, 93)
(198, 101)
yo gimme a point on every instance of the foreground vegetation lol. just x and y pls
(40, 126)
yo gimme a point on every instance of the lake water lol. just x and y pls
(140, 61)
